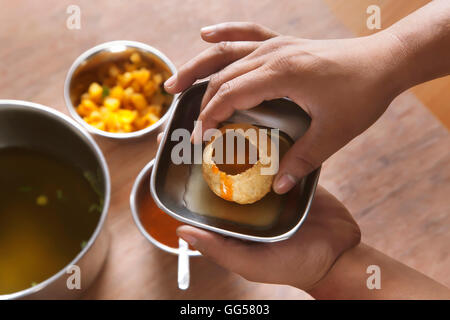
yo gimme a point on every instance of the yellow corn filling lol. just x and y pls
(130, 98)
(41, 200)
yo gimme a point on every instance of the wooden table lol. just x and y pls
(395, 178)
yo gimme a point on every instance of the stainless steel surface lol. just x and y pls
(168, 190)
(104, 53)
(139, 192)
(32, 125)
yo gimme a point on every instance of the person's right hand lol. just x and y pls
(344, 85)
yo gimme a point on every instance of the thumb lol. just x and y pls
(229, 253)
(302, 158)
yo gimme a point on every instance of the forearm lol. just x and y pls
(347, 279)
(421, 44)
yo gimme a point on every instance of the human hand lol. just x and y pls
(344, 85)
(301, 261)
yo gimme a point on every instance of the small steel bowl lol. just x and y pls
(168, 181)
(139, 191)
(27, 124)
(106, 53)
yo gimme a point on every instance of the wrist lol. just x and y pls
(419, 45)
(393, 58)
(349, 278)
(327, 286)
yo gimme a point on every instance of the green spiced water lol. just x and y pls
(48, 211)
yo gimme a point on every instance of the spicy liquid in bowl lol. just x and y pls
(159, 224)
(49, 209)
(156, 225)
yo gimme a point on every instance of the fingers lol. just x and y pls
(243, 92)
(209, 61)
(302, 158)
(236, 31)
(232, 254)
(242, 40)
(233, 70)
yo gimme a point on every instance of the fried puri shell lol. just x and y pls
(248, 186)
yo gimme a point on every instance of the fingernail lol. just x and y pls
(171, 81)
(196, 135)
(188, 238)
(284, 184)
(209, 30)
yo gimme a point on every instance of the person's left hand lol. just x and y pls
(301, 261)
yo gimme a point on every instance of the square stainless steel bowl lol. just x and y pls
(169, 181)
